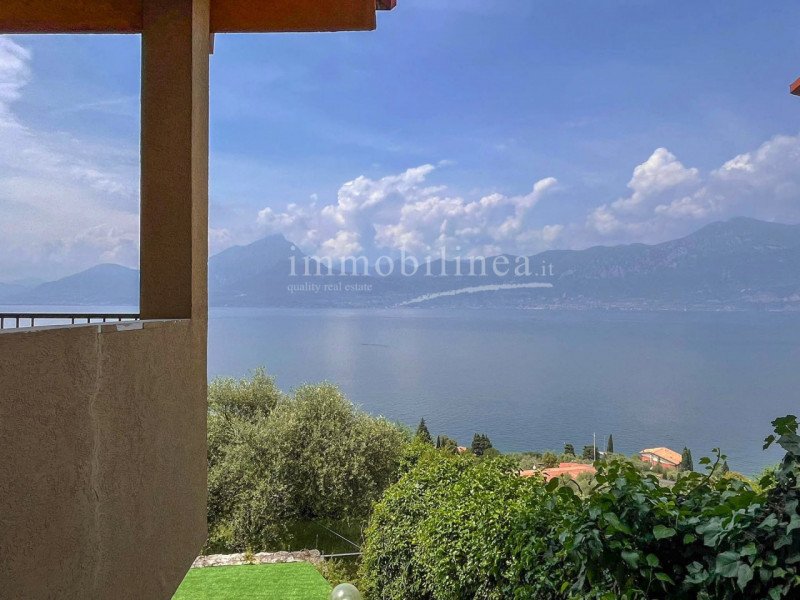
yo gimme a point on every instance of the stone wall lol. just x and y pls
(262, 558)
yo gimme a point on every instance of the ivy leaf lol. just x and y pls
(790, 442)
(652, 560)
(661, 532)
(665, 578)
(785, 425)
(770, 522)
(794, 523)
(727, 564)
(631, 557)
(689, 538)
(744, 576)
(749, 550)
(782, 541)
(613, 520)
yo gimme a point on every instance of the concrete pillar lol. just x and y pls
(174, 155)
(174, 200)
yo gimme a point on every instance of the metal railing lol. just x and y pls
(27, 320)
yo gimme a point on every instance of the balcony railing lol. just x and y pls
(27, 320)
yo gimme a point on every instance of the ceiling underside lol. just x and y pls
(227, 16)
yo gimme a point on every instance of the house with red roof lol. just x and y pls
(661, 456)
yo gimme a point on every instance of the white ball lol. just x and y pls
(345, 591)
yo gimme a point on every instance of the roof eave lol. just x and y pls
(227, 16)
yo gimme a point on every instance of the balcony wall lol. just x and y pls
(103, 467)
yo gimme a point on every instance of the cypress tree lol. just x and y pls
(423, 434)
(686, 461)
(480, 444)
(448, 444)
(610, 444)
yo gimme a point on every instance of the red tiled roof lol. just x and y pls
(665, 454)
(568, 469)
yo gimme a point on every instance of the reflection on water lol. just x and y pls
(537, 380)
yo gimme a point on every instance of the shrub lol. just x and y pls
(456, 528)
(706, 537)
(391, 567)
(275, 460)
(461, 542)
(549, 459)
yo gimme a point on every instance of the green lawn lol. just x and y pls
(290, 581)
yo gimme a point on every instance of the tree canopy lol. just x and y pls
(276, 459)
(480, 444)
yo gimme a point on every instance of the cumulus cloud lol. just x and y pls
(404, 212)
(668, 199)
(67, 203)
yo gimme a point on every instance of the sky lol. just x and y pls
(480, 127)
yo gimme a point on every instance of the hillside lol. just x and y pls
(737, 264)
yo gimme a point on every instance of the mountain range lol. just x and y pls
(737, 264)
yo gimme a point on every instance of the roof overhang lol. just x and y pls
(227, 16)
(795, 88)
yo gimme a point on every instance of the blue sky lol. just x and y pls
(473, 125)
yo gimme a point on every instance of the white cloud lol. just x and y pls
(67, 203)
(666, 199)
(669, 200)
(14, 73)
(403, 212)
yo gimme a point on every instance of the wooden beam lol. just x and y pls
(70, 16)
(795, 88)
(253, 16)
(227, 16)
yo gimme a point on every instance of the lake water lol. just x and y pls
(533, 380)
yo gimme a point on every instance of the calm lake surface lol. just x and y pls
(533, 380)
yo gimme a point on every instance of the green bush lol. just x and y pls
(275, 460)
(455, 528)
(390, 564)
(461, 542)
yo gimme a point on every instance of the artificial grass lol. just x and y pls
(287, 581)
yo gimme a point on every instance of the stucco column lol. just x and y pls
(174, 207)
(174, 156)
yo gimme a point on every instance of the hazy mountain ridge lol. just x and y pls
(737, 264)
(101, 285)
